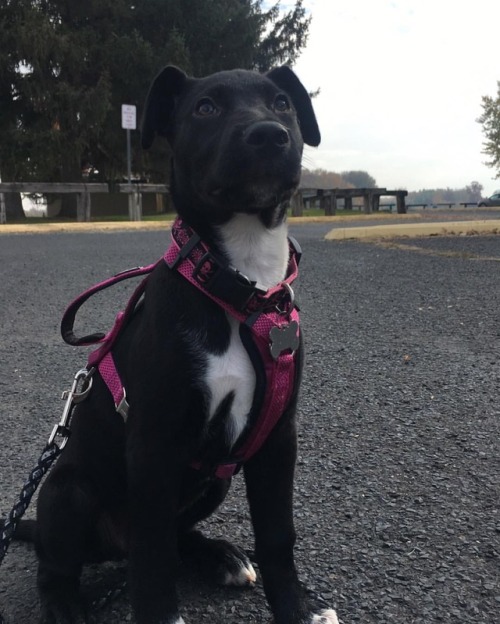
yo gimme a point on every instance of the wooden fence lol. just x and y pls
(327, 199)
(84, 192)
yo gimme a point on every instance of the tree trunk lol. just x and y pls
(14, 207)
(68, 205)
(71, 172)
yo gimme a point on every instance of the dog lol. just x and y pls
(136, 487)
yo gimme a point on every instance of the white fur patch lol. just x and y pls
(325, 617)
(259, 253)
(232, 372)
(245, 576)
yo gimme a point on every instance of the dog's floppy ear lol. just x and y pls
(160, 104)
(285, 79)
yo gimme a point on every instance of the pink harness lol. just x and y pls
(270, 315)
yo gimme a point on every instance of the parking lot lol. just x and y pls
(398, 479)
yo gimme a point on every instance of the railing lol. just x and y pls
(327, 199)
(83, 193)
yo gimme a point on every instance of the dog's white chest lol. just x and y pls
(262, 255)
(232, 372)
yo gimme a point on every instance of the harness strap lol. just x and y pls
(102, 357)
(262, 311)
(109, 373)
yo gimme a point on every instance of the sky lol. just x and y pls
(400, 85)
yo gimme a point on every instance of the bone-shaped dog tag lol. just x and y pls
(284, 338)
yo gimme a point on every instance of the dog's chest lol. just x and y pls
(231, 373)
(262, 255)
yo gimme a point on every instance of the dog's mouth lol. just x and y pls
(253, 197)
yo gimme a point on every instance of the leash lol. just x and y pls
(48, 456)
(80, 388)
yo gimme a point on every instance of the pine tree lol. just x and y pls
(66, 66)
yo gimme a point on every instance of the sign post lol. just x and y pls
(129, 122)
(3, 210)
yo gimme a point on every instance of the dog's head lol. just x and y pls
(236, 138)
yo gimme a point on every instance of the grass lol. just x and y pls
(165, 216)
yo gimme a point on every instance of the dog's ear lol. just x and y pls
(160, 104)
(285, 79)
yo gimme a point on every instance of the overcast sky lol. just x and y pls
(401, 84)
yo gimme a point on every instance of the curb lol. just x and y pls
(415, 230)
(98, 226)
(112, 226)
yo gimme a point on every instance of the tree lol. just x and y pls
(66, 66)
(322, 179)
(286, 37)
(490, 121)
(474, 191)
(359, 179)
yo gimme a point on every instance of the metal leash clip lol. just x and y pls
(287, 308)
(80, 388)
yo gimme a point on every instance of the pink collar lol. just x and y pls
(227, 286)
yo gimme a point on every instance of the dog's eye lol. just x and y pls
(281, 104)
(205, 107)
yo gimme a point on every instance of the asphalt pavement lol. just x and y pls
(397, 490)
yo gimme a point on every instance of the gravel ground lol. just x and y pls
(397, 490)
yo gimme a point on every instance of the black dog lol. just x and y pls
(192, 378)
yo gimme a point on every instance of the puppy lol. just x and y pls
(210, 360)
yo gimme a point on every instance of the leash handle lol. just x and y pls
(68, 319)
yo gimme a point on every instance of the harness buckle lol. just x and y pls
(80, 388)
(226, 283)
(123, 406)
(206, 269)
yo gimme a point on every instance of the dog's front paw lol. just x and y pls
(236, 570)
(325, 617)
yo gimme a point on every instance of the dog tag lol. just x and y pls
(284, 338)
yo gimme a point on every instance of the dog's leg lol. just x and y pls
(154, 480)
(217, 559)
(269, 481)
(65, 520)
(60, 598)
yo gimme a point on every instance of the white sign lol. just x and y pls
(129, 117)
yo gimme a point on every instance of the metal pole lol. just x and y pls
(131, 211)
(129, 157)
(3, 209)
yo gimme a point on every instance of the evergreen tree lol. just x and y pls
(66, 66)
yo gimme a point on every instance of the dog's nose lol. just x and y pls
(266, 134)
